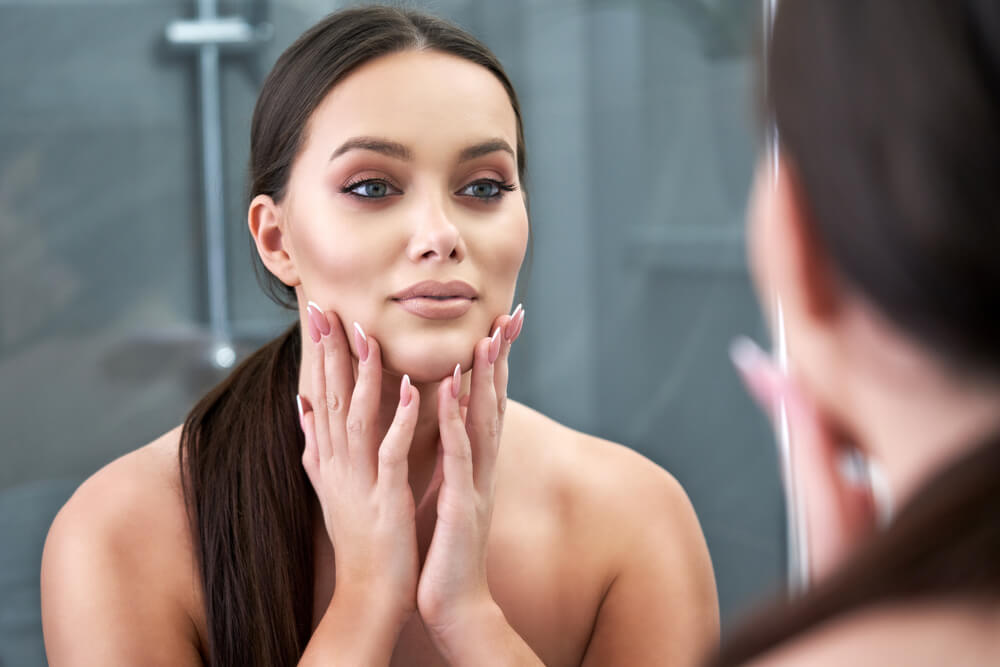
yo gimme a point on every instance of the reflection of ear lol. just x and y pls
(805, 277)
(267, 226)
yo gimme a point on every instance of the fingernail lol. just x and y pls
(405, 394)
(302, 417)
(318, 318)
(519, 325)
(746, 354)
(456, 381)
(495, 346)
(311, 327)
(509, 330)
(361, 341)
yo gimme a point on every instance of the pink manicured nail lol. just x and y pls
(456, 381)
(302, 416)
(318, 318)
(495, 346)
(361, 341)
(405, 394)
(509, 330)
(311, 328)
(518, 325)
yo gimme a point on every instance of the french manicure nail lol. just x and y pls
(405, 391)
(746, 354)
(495, 346)
(361, 341)
(311, 327)
(456, 381)
(302, 417)
(318, 318)
(519, 325)
(509, 330)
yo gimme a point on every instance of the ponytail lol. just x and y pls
(251, 511)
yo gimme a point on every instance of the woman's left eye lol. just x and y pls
(486, 189)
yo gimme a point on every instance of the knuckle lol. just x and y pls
(492, 428)
(355, 426)
(502, 405)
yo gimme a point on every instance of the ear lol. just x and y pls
(266, 221)
(796, 263)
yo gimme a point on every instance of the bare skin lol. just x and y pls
(596, 558)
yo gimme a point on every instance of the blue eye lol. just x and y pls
(371, 188)
(487, 189)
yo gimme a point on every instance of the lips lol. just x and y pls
(435, 300)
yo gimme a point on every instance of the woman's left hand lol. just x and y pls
(453, 587)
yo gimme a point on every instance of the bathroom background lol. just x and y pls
(126, 287)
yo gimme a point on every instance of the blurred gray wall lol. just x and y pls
(640, 148)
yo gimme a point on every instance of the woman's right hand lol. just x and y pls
(361, 480)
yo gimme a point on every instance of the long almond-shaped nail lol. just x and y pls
(302, 416)
(509, 330)
(318, 318)
(361, 341)
(405, 391)
(518, 325)
(456, 381)
(495, 346)
(314, 333)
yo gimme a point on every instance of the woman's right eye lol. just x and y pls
(371, 188)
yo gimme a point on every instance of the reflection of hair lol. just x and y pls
(251, 506)
(890, 113)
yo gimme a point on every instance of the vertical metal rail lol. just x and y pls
(796, 531)
(207, 35)
(209, 85)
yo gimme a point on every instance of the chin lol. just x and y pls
(431, 361)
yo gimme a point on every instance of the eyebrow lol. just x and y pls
(485, 148)
(400, 152)
(383, 146)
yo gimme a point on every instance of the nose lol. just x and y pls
(435, 236)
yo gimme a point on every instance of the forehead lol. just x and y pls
(424, 99)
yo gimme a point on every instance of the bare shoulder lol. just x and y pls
(931, 633)
(631, 519)
(119, 581)
(603, 480)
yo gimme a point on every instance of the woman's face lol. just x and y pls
(404, 210)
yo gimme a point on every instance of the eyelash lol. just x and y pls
(503, 187)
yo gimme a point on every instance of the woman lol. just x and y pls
(880, 236)
(415, 517)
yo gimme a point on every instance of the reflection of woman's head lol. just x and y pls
(387, 150)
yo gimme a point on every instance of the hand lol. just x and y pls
(839, 507)
(453, 579)
(362, 483)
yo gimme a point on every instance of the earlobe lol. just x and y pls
(266, 222)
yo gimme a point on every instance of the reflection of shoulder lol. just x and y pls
(119, 551)
(914, 633)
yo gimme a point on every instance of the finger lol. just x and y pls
(333, 382)
(393, 454)
(362, 417)
(456, 450)
(513, 330)
(310, 453)
(483, 421)
(838, 510)
(500, 365)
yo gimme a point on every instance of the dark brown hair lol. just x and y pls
(889, 110)
(251, 505)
